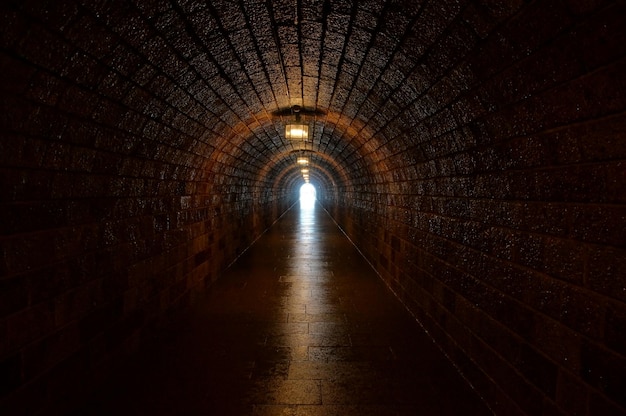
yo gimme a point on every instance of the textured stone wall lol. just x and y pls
(117, 204)
(474, 151)
(501, 223)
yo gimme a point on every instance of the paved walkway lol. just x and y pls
(300, 325)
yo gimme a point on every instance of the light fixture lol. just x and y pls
(304, 170)
(303, 161)
(296, 130)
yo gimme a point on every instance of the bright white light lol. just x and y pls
(296, 131)
(307, 196)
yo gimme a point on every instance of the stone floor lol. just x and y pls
(299, 325)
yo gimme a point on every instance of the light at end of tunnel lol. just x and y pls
(307, 195)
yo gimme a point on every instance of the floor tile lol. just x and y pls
(299, 325)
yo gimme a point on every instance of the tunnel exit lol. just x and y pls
(307, 196)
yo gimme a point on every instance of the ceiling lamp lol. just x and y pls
(296, 130)
(303, 161)
(304, 170)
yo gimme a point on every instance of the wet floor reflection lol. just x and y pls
(300, 325)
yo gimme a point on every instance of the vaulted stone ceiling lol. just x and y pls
(233, 70)
(214, 82)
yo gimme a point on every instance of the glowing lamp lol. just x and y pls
(295, 131)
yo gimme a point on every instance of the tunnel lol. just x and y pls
(473, 151)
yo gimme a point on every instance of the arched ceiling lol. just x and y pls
(270, 56)
(223, 75)
(209, 86)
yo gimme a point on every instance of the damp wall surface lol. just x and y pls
(500, 222)
(113, 212)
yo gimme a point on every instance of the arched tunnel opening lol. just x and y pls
(473, 151)
(308, 195)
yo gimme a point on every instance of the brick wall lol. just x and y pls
(113, 212)
(502, 223)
